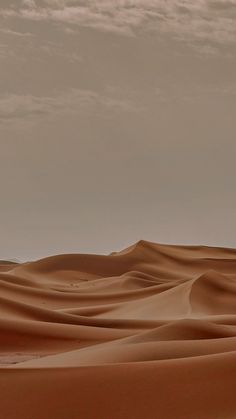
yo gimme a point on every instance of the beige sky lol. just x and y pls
(117, 122)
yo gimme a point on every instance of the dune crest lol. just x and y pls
(149, 331)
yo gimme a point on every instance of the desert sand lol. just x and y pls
(148, 332)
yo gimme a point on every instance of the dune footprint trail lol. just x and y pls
(148, 332)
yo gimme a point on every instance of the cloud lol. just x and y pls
(15, 33)
(223, 5)
(15, 106)
(29, 3)
(211, 20)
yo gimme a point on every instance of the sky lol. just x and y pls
(117, 123)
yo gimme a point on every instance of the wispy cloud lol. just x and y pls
(25, 107)
(11, 32)
(212, 20)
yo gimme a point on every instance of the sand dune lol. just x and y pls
(148, 332)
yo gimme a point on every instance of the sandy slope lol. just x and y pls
(148, 332)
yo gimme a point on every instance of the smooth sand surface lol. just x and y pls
(148, 332)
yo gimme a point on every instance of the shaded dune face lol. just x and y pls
(146, 332)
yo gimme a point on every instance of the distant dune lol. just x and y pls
(145, 333)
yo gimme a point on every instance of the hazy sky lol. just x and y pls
(117, 122)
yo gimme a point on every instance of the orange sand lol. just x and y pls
(146, 333)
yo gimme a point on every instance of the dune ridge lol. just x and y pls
(149, 331)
